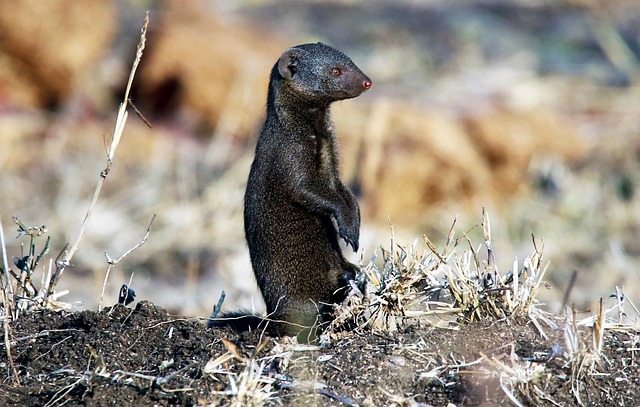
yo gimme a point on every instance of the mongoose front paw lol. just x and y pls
(354, 244)
(351, 237)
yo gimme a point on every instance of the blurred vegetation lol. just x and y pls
(528, 108)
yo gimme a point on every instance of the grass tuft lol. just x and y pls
(444, 288)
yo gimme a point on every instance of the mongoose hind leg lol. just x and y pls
(301, 318)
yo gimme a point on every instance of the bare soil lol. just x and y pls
(144, 356)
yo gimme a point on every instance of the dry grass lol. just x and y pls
(444, 288)
(248, 387)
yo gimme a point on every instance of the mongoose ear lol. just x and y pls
(288, 62)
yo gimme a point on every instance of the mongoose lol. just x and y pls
(295, 205)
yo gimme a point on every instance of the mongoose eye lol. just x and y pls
(335, 72)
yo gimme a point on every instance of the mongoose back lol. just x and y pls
(295, 205)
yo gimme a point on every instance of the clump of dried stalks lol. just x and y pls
(250, 386)
(581, 353)
(456, 285)
(444, 288)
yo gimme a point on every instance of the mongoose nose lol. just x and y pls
(366, 84)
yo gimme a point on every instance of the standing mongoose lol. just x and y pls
(295, 206)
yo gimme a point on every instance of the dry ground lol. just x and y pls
(143, 356)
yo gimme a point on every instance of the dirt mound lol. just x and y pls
(144, 356)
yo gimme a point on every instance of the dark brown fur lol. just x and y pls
(296, 206)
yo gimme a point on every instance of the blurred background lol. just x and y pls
(530, 108)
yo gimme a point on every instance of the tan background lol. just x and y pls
(529, 110)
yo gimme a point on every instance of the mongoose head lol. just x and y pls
(319, 74)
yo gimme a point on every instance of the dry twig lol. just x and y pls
(111, 150)
(112, 262)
